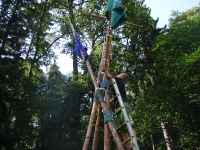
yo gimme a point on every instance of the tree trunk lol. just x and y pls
(166, 137)
(75, 58)
(153, 147)
(75, 66)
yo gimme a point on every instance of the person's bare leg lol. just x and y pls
(125, 136)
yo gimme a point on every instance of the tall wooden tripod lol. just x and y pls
(109, 127)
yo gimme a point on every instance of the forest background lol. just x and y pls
(50, 111)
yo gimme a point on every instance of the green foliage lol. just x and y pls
(60, 117)
(177, 54)
(52, 111)
(21, 54)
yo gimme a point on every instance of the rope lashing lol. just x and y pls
(109, 35)
(106, 85)
(107, 116)
(99, 95)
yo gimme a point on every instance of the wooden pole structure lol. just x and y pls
(96, 131)
(96, 84)
(105, 105)
(95, 104)
(100, 17)
(94, 107)
(105, 66)
(110, 125)
(89, 129)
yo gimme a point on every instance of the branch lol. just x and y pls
(92, 15)
(81, 3)
(55, 41)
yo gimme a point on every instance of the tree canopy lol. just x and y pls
(50, 110)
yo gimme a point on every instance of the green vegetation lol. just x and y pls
(50, 111)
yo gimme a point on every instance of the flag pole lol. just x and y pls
(95, 104)
(105, 66)
(100, 17)
(96, 85)
(109, 127)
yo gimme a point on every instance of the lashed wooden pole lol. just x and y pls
(94, 107)
(110, 125)
(96, 131)
(105, 106)
(95, 104)
(105, 66)
(100, 17)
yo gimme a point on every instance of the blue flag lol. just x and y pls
(78, 46)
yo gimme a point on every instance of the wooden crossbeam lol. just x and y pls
(100, 17)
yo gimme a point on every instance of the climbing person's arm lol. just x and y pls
(109, 76)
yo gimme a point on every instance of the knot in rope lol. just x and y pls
(99, 95)
(107, 116)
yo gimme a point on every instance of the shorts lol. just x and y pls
(119, 118)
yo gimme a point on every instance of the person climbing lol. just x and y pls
(121, 79)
